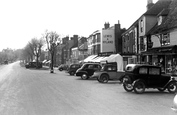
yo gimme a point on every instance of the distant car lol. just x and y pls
(73, 68)
(62, 67)
(5, 62)
(139, 77)
(87, 70)
(33, 65)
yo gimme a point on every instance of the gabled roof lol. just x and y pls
(169, 22)
(158, 7)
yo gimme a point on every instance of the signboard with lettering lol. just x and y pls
(108, 41)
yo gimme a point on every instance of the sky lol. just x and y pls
(22, 20)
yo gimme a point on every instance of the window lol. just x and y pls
(141, 24)
(166, 39)
(143, 70)
(154, 71)
(91, 66)
(111, 68)
(98, 37)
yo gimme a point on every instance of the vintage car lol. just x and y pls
(138, 77)
(108, 72)
(33, 65)
(87, 70)
(62, 67)
(73, 68)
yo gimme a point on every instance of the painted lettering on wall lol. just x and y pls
(107, 41)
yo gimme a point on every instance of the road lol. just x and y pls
(39, 92)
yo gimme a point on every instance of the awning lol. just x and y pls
(99, 59)
(44, 61)
(48, 61)
(90, 58)
(108, 58)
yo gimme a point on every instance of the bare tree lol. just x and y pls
(36, 46)
(52, 40)
(27, 52)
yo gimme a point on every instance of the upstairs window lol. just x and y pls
(165, 39)
(98, 37)
(142, 25)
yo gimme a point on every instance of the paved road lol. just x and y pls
(38, 92)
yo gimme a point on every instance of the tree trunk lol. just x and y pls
(51, 66)
(37, 61)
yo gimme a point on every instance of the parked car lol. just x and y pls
(139, 77)
(87, 70)
(73, 68)
(5, 62)
(33, 65)
(108, 72)
(62, 67)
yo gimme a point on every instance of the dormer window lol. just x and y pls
(166, 39)
(160, 20)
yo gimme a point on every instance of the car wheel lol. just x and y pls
(72, 73)
(84, 76)
(161, 89)
(172, 87)
(104, 78)
(61, 69)
(98, 79)
(139, 87)
(127, 84)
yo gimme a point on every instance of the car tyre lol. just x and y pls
(161, 89)
(72, 73)
(172, 87)
(127, 86)
(61, 69)
(139, 87)
(104, 78)
(98, 79)
(84, 76)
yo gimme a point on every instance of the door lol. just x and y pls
(154, 76)
(112, 71)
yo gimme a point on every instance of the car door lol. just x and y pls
(90, 69)
(154, 76)
(143, 74)
(112, 71)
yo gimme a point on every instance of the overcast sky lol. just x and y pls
(21, 20)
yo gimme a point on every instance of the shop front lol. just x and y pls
(165, 57)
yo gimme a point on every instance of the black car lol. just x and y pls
(5, 62)
(139, 77)
(62, 67)
(88, 70)
(73, 68)
(33, 65)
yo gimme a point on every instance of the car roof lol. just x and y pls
(131, 67)
(91, 63)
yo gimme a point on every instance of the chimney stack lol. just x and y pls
(106, 25)
(149, 4)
